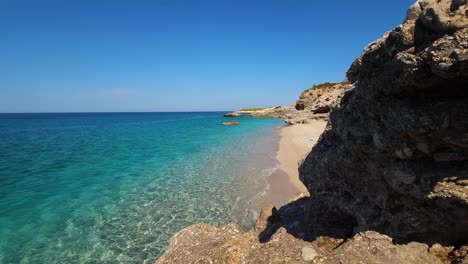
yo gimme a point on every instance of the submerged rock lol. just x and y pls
(230, 123)
(232, 114)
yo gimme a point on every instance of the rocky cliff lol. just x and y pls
(388, 180)
(395, 155)
(317, 102)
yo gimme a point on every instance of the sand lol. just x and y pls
(295, 143)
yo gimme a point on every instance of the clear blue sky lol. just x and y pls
(172, 55)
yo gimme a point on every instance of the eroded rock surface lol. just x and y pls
(278, 237)
(394, 157)
(317, 102)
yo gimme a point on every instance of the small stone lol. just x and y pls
(308, 253)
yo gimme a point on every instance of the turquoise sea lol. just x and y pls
(114, 187)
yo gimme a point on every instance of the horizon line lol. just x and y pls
(115, 112)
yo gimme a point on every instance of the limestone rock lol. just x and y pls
(353, 72)
(413, 12)
(208, 244)
(441, 252)
(275, 112)
(320, 97)
(200, 244)
(395, 151)
(268, 213)
(308, 253)
(372, 247)
(316, 103)
(443, 16)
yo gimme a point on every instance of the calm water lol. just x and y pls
(113, 188)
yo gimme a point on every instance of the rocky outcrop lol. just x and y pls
(278, 237)
(317, 102)
(276, 112)
(314, 103)
(269, 112)
(388, 180)
(394, 158)
(290, 115)
(309, 96)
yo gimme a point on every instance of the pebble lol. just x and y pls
(308, 253)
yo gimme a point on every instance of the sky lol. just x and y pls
(174, 55)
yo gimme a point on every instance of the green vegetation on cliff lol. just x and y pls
(321, 85)
(253, 108)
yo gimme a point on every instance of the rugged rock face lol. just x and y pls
(388, 180)
(394, 157)
(276, 112)
(317, 102)
(309, 96)
(278, 237)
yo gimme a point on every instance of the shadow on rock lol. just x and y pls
(293, 217)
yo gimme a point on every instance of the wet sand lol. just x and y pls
(295, 143)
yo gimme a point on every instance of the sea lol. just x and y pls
(114, 187)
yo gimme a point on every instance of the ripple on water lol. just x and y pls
(112, 196)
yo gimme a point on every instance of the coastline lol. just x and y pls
(294, 144)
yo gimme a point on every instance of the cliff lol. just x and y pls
(388, 180)
(394, 156)
(317, 102)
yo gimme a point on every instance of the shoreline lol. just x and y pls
(296, 141)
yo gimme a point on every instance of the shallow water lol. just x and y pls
(113, 188)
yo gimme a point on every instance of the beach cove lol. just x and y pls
(295, 143)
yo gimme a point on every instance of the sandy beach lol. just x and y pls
(295, 143)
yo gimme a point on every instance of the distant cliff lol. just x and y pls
(314, 103)
(388, 180)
